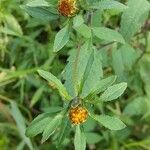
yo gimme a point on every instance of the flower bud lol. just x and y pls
(67, 8)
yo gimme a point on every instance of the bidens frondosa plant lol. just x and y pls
(77, 110)
(84, 89)
(67, 8)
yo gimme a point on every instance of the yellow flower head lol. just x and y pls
(78, 115)
(67, 8)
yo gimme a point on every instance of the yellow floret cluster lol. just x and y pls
(78, 115)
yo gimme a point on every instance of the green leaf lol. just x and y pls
(84, 55)
(15, 112)
(36, 97)
(12, 75)
(38, 125)
(129, 56)
(108, 34)
(101, 86)
(117, 63)
(51, 127)
(105, 83)
(136, 107)
(113, 92)
(133, 17)
(89, 125)
(36, 3)
(52, 79)
(123, 60)
(112, 123)
(144, 69)
(84, 30)
(42, 13)
(93, 69)
(77, 21)
(97, 18)
(12, 26)
(92, 138)
(20, 146)
(80, 139)
(109, 4)
(61, 39)
(146, 108)
(51, 109)
(64, 131)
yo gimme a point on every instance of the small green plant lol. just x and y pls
(75, 71)
(84, 85)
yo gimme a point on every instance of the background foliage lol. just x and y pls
(30, 35)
